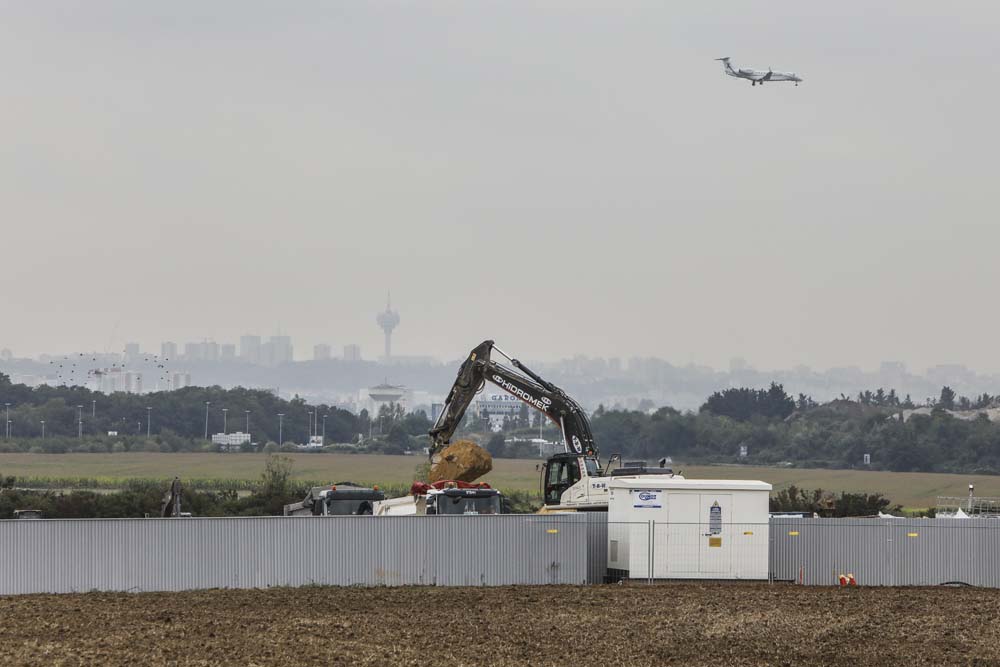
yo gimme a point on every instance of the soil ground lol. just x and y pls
(913, 490)
(672, 624)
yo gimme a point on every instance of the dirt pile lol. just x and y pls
(462, 460)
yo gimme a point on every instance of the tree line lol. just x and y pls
(78, 419)
(776, 429)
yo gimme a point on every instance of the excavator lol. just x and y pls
(570, 481)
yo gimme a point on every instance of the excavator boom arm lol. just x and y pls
(525, 385)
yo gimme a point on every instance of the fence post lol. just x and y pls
(652, 548)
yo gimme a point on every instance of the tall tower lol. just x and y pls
(388, 320)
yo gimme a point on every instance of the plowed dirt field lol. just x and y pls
(673, 624)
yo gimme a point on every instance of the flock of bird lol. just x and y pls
(72, 371)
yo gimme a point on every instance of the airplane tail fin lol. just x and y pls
(725, 63)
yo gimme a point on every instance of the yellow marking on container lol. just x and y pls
(552, 531)
(913, 534)
(748, 532)
(715, 541)
(793, 533)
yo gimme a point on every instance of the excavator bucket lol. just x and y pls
(462, 460)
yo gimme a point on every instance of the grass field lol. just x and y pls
(909, 489)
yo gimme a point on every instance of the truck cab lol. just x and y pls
(343, 499)
(464, 501)
(447, 497)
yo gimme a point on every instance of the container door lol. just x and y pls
(679, 558)
(715, 522)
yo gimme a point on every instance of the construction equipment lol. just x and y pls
(340, 499)
(572, 480)
(444, 497)
(171, 506)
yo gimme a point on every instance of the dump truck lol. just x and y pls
(340, 499)
(444, 497)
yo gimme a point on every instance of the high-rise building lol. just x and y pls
(131, 351)
(352, 352)
(210, 350)
(250, 348)
(133, 382)
(178, 380)
(168, 350)
(227, 352)
(193, 352)
(281, 350)
(321, 352)
(267, 354)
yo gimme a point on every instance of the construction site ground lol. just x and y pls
(690, 624)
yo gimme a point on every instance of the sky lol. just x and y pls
(562, 177)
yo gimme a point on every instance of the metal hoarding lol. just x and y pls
(59, 556)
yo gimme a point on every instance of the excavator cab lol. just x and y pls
(564, 471)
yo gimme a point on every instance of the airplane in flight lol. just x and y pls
(757, 76)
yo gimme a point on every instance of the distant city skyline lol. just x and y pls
(280, 348)
(253, 348)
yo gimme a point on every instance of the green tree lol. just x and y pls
(275, 480)
(947, 400)
(497, 445)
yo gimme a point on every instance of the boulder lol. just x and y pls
(462, 460)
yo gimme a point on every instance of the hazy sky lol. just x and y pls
(563, 177)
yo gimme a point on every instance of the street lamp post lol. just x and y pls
(93, 409)
(207, 403)
(311, 413)
(43, 429)
(324, 429)
(225, 420)
(79, 422)
(281, 419)
(149, 411)
(7, 418)
(248, 420)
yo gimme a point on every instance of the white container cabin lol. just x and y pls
(672, 528)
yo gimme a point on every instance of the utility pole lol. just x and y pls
(324, 428)
(7, 418)
(207, 403)
(225, 420)
(149, 411)
(281, 419)
(43, 429)
(311, 413)
(248, 420)
(93, 409)
(79, 422)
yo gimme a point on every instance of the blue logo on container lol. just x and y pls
(647, 496)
